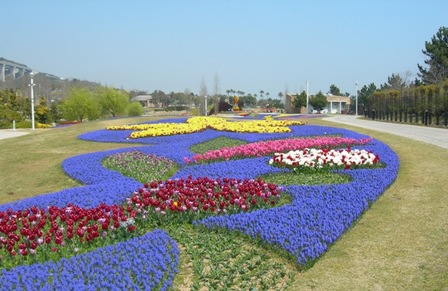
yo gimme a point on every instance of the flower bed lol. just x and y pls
(144, 263)
(263, 148)
(318, 159)
(196, 124)
(316, 217)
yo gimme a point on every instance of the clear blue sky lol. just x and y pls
(249, 45)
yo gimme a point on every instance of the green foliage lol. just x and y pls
(366, 92)
(7, 115)
(173, 108)
(318, 101)
(394, 82)
(112, 100)
(215, 144)
(299, 100)
(275, 103)
(24, 124)
(334, 90)
(80, 105)
(248, 262)
(134, 109)
(247, 101)
(437, 52)
(141, 167)
(54, 115)
(42, 111)
(308, 178)
(431, 97)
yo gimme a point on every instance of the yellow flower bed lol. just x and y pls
(196, 124)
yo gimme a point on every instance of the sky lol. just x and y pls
(244, 45)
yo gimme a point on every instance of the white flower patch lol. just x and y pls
(318, 158)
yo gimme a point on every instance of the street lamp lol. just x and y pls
(356, 96)
(32, 101)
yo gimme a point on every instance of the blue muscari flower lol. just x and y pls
(316, 217)
(92, 267)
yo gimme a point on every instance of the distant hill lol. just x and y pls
(48, 85)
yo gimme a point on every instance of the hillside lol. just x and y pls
(16, 76)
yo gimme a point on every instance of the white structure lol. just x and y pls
(337, 104)
(145, 100)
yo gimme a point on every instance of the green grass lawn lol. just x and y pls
(401, 243)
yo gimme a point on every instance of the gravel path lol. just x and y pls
(431, 135)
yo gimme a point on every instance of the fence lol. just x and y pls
(425, 105)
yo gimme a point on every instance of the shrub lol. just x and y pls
(135, 109)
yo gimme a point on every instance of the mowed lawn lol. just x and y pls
(401, 243)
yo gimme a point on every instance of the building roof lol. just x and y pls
(141, 98)
(334, 98)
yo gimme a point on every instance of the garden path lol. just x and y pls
(431, 135)
(9, 133)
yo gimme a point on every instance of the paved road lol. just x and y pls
(435, 136)
(9, 133)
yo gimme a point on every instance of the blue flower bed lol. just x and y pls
(316, 218)
(147, 262)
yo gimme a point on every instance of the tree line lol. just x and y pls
(76, 100)
(80, 104)
(424, 100)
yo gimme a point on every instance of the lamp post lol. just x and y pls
(206, 109)
(32, 101)
(356, 96)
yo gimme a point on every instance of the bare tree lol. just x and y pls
(202, 94)
(216, 90)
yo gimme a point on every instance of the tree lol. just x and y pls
(334, 90)
(437, 53)
(134, 109)
(42, 111)
(299, 100)
(275, 103)
(394, 82)
(7, 116)
(247, 101)
(79, 105)
(112, 100)
(318, 101)
(365, 92)
(54, 115)
(159, 97)
(134, 93)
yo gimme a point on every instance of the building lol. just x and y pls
(145, 100)
(335, 105)
(338, 104)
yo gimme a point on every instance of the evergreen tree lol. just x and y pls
(437, 52)
(299, 100)
(318, 101)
